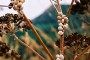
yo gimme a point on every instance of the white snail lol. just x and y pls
(60, 32)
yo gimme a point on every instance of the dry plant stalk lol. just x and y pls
(4, 6)
(82, 53)
(62, 36)
(53, 5)
(58, 9)
(70, 7)
(17, 39)
(35, 32)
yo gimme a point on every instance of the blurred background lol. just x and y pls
(44, 18)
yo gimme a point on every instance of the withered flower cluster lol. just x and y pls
(5, 51)
(81, 7)
(75, 40)
(15, 20)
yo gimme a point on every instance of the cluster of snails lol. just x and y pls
(62, 22)
(17, 5)
(7, 53)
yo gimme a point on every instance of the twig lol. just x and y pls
(62, 44)
(59, 6)
(62, 36)
(70, 7)
(76, 49)
(35, 32)
(82, 53)
(75, 53)
(54, 5)
(4, 6)
(17, 39)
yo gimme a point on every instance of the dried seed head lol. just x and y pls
(75, 40)
(1, 53)
(4, 51)
(7, 55)
(4, 45)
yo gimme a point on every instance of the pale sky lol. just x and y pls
(32, 8)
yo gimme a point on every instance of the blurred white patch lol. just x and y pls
(32, 8)
(1, 9)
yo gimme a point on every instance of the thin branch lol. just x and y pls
(62, 44)
(82, 53)
(62, 36)
(16, 38)
(54, 5)
(70, 7)
(4, 6)
(35, 32)
(59, 6)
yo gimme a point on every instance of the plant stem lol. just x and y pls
(88, 57)
(4, 6)
(70, 7)
(75, 53)
(16, 38)
(54, 5)
(59, 6)
(82, 53)
(35, 32)
(62, 36)
(62, 44)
